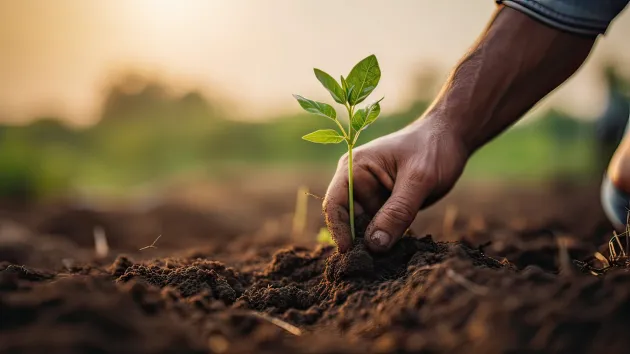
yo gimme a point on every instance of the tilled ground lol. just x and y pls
(516, 294)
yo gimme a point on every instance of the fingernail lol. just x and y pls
(381, 238)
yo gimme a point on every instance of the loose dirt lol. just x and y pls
(515, 294)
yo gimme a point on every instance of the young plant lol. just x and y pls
(353, 90)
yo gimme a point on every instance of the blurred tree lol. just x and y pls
(138, 97)
(131, 96)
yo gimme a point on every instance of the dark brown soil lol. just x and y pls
(513, 295)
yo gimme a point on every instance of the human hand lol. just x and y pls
(394, 177)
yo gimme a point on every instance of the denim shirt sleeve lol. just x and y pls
(586, 17)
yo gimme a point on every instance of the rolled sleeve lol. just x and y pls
(586, 17)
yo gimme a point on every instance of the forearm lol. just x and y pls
(516, 62)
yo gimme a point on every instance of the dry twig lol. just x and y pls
(301, 212)
(619, 255)
(474, 288)
(280, 323)
(151, 245)
(450, 216)
(101, 247)
(563, 256)
(314, 196)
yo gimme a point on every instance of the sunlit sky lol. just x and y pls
(57, 57)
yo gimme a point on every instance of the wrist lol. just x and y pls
(443, 129)
(455, 124)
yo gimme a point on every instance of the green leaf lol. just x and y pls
(337, 93)
(375, 111)
(322, 109)
(364, 77)
(349, 93)
(344, 87)
(363, 117)
(324, 136)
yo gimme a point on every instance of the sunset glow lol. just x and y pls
(59, 56)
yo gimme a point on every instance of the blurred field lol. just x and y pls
(151, 93)
(147, 136)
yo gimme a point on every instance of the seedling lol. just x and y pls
(324, 237)
(353, 90)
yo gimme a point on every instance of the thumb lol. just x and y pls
(398, 212)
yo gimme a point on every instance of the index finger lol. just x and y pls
(335, 207)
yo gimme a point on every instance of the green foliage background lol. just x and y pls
(149, 135)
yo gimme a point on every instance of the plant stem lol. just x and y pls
(343, 131)
(351, 191)
(350, 174)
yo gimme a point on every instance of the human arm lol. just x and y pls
(516, 61)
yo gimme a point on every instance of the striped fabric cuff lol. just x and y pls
(584, 17)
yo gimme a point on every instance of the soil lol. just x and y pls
(490, 286)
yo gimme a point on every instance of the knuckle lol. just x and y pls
(343, 160)
(360, 157)
(399, 210)
(419, 176)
